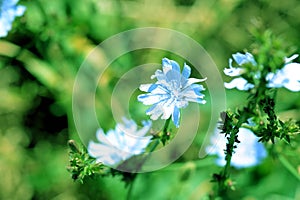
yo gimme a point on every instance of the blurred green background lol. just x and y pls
(38, 64)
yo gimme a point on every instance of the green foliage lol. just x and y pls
(260, 107)
(44, 50)
(82, 165)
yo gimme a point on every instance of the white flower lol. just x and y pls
(239, 83)
(288, 76)
(240, 59)
(8, 11)
(249, 151)
(171, 92)
(120, 144)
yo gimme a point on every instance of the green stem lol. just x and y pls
(226, 171)
(165, 132)
(242, 116)
(167, 123)
(154, 146)
(165, 135)
(232, 140)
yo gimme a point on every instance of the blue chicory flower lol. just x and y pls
(120, 144)
(8, 11)
(240, 83)
(172, 91)
(249, 151)
(288, 76)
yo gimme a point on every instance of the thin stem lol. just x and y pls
(232, 141)
(165, 134)
(166, 126)
(154, 146)
(229, 152)
(242, 116)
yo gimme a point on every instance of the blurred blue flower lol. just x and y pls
(239, 83)
(249, 151)
(288, 76)
(171, 92)
(120, 144)
(8, 11)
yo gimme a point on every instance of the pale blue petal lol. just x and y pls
(168, 108)
(193, 93)
(292, 71)
(174, 78)
(149, 99)
(115, 137)
(191, 81)
(186, 72)
(19, 11)
(184, 103)
(293, 86)
(129, 124)
(140, 144)
(249, 151)
(275, 80)
(261, 152)
(241, 59)
(155, 111)
(290, 59)
(233, 71)
(102, 137)
(105, 154)
(159, 75)
(9, 3)
(170, 65)
(147, 87)
(120, 144)
(176, 116)
(288, 77)
(197, 89)
(8, 11)
(239, 83)
(246, 153)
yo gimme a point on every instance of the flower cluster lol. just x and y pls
(288, 76)
(120, 144)
(249, 151)
(172, 91)
(8, 11)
